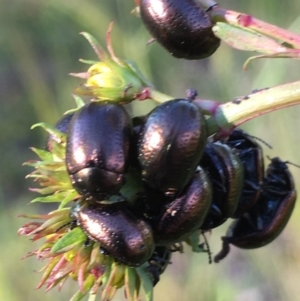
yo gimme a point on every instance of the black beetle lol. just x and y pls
(158, 262)
(211, 162)
(251, 156)
(225, 171)
(98, 148)
(120, 233)
(181, 26)
(268, 217)
(234, 175)
(184, 214)
(171, 144)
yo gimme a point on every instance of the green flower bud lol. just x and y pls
(111, 79)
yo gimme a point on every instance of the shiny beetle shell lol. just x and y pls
(212, 164)
(225, 171)
(171, 145)
(185, 213)
(97, 148)
(234, 175)
(251, 156)
(181, 26)
(266, 220)
(127, 238)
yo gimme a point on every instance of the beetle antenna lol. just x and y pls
(285, 162)
(291, 163)
(261, 140)
(207, 247)
(212, 7)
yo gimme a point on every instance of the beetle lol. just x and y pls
(268, 217)
(158, 262)
(180, 26)
(171, 144)
(97, 149)
(118, 230)
(251, 156)
(226, 173)
(211, 162)
(185, 213)
(234, 175)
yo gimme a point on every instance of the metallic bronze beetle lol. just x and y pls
(226, 174)
(266, 220)
(120, 233)
(171, 144)
(98, 149)
(181, 26)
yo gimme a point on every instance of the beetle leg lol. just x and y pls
(224, 251)
(205, 247)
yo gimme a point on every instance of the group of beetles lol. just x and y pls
(180, 181)
(183, 182)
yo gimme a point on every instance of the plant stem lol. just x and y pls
(159, 97)
(234, 113)
(219, 14)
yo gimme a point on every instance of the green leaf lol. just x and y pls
(115, 281)
(54, 198)
(49, 165)
(246, 39)
(50, 266)
(61, 212)
(69, 240)
(109, 293)
(46, 190)
(72, 111)
(50, 225)
(43, 154)
(87, 285)
(78, 100)
(51, 130)
(293, 53)
(135, 70)
(62, 197)
(68, 198)
(105, 277)
(147, 282)
(130, 284)
(88, 62)
(101, 53)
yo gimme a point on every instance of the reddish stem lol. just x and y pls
(235, 18)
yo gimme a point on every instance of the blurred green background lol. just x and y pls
(40, 45)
